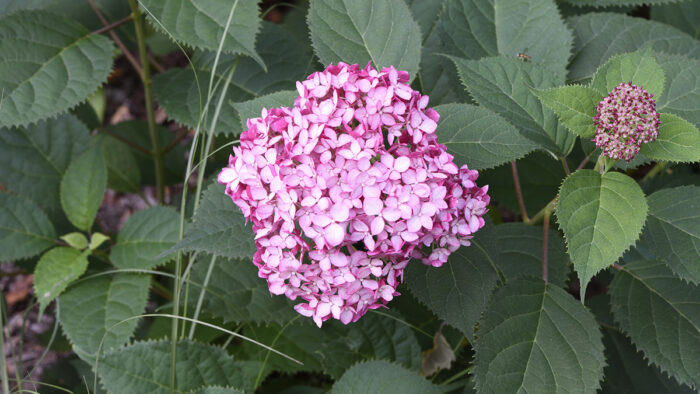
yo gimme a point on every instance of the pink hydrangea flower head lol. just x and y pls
(625, 120)
(346, 187)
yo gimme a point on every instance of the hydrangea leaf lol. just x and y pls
(83, 186)
(219, 227)
(34, 158)
(682, 92)
(438, 76)
(123, 173)
(76, 240)
(574, 105)
(521, 338)
(672, 231)
(336, 347)
(504, 85)
(236, 293)
(253, 108)
(49, 64)
(678, 140)
(479, 137)
(94, 309)
(598, 36)
(25, 231)
(459, 291)
(521, 253)
(640, 68)
(425, 13)
(375, 377)
(216, 390)
(616, 3)
(682, 15)
(55, 270)
(659, 313)
(145, 235)
(201, 23)
(131, 369)
(381, 31)
(601, 216)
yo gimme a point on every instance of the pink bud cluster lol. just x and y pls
(626, 119)
(347, 186)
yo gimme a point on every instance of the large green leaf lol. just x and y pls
(201, 23)
(83, 186)
(609, 3)
(683, 15)
(659, 313)
(438, 77)
(458, 291)
(673, 230)
(144, 237)
(535, 337)
(236, 293)
(25, 231)
(336, 347)
(478, 137)
(520, 247)
(504, 85)
(425, 13)
(678, 140)
(381, 31)
(575, 106)
(382, 377)
(144, 367)
(640, 68)
(123, 174)
(253, 108)
(682, 91)
(219, 227)
(598, 36)
(48, 64)
(95, 310)
(55, 270)
(35, 157)
(601, 216)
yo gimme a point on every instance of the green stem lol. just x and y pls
(660, 166)
(548, 209)
(3, 367)
(518, 190)
(148, 92)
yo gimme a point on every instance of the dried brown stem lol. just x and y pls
(129, 56)
(114, 25)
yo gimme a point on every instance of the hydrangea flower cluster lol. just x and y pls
(625, 120)
(346, 187)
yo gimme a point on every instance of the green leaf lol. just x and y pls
(219, 227)
(381, 31)
(144, 367)
(34, 158)
(49, 64)
(659, 313)
(474, 29)
(123, 174)
(683, 16)
(83, 186)
(144, 237)
(201, 23)
(425, 13)
(640, 68)
(97, 309)
(375, 377)
(438, 77)
(618, 3)
(459, 291)
(75, 240)
(520, 254)
(601, 216)
(535, 337)
(55, 270)
(252, 108)
(236, 293)
(184, 97)
(96, 240)
(598, 36)
(682, 92)
(673, 230)
(336, 347)
(504, 85)
(25, 231)
(575, 106)
(678, 140)
(478, 137)
(216, 390)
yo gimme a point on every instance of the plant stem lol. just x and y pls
(3, 367)
(518, 190)
(545, 243)
(148, 92)
(658, 167)
(584, 161)
(565, 165)
(114, 25)
(129, 56)
(540, 215)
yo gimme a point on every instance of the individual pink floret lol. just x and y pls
(346, 187)
(626, 119)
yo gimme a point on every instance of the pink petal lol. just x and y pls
(377, 225)
(334, 234)
(373, 206)
(402, 163)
